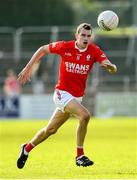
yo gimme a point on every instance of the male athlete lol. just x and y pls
(77, 59)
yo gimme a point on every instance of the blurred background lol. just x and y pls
(26, 25)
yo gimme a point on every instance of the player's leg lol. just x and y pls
(80, 112)
(57, 119)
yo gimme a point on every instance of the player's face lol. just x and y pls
(83, 38)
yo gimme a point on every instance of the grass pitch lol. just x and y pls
(111, 144)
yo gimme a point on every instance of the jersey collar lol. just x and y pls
(81, 50)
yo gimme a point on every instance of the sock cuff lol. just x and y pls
(80, 147)
(78, 157)
(32, 144)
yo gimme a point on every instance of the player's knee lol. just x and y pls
(51, 130)
(85, 117)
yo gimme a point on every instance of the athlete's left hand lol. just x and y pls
(109, 66)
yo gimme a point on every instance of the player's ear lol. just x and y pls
(92, 37)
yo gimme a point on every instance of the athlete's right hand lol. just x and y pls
(25, 75)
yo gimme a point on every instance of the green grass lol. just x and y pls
(110, 143)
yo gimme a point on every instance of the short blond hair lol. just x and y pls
(83, 26)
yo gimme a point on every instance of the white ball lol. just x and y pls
(108, 20)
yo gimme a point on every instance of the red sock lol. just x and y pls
(29, 147)
(80, 151)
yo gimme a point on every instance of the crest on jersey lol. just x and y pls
(88, 57)
(78, 56)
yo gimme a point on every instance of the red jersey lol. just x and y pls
(75, 65)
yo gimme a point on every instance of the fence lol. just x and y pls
(18, 45)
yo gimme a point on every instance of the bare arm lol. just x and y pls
(109, 66)
(26, 73)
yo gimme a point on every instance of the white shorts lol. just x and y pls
(62, 98)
